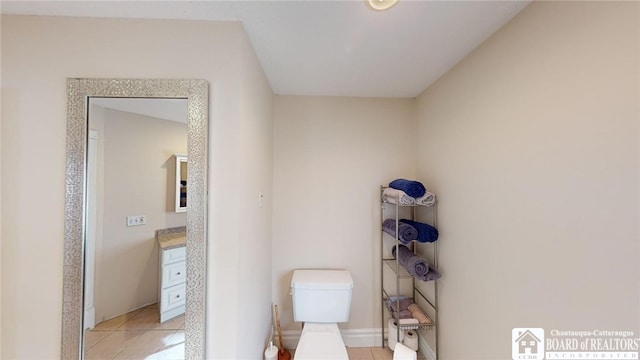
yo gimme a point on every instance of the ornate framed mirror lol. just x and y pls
(80, 91)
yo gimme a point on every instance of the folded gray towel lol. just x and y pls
(428, 199)
(406, 232)
(415, 265)
(395, 196)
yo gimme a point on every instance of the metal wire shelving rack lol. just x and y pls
(423, 293)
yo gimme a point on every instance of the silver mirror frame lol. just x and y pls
(79, 91)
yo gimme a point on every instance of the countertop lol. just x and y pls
(172, 237)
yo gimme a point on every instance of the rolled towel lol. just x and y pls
(406, 232)
(428, 199)
(395, 196)
(421, 317)
(415, 189)
(426, 232)
(415, 265)
(419, 314)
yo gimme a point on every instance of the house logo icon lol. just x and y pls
(527, 343)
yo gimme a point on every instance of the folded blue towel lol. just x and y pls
(426, 232)
(415, 265)
(406, 232)
(412, 188)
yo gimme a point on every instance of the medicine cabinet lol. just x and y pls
(181, 182)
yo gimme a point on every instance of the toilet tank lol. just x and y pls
(321, 296)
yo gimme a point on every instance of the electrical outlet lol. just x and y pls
(136, 220)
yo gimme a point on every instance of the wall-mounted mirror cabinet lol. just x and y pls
(181, 182)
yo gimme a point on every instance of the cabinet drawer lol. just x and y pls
(173, 255)
(172, 297)
(173, 274)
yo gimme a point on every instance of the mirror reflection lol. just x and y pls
(135, 257)
(109, 217)
(181, 183)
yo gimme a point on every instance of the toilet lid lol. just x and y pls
(320, 341)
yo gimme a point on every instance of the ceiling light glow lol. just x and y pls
(380, 5)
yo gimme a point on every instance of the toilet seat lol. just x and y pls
(320, 341)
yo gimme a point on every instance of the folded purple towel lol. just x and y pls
(403, 303)
(415, 265)
(406, 232)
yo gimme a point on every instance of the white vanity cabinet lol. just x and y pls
(172, 282)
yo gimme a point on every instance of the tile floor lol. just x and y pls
(137, 335)
(373, 353)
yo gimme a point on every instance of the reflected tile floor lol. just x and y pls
(136, 335)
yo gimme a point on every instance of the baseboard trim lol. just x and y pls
(89, 318)
(362, 337)
(368, 337)
(290, 338)
(425, 349)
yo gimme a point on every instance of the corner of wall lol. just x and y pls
(515, 138)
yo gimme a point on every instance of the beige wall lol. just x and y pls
(1, 217)
(139, 179)
(247, 151)
(331, 154)
(38, 54)
(531, 143)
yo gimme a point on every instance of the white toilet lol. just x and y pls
(321, 299)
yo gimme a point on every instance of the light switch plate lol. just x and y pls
(136, 220)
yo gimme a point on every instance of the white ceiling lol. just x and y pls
(338, 48)
(168, 109)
